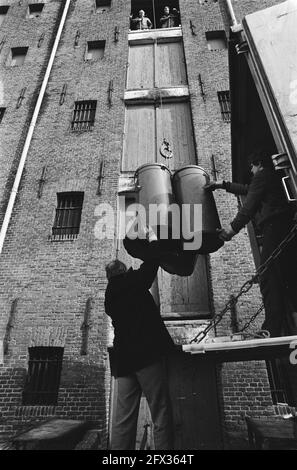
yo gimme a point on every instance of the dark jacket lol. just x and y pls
(141, 337)
(265, 199)
(169, 21)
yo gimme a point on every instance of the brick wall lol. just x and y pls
(53, 280)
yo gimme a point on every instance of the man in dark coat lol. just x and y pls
(141, 342)
(266, 204)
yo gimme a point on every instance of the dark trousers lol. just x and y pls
(279, 283)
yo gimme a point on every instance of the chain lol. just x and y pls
(252, 319)
(245, 288)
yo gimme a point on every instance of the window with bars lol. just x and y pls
(95, 50)
(3, 12)
(83, 115)
(35, 9)
(18, 55)
(2, 112)
(279, 382)
(68, 215)
(43, 378)
(225, 104)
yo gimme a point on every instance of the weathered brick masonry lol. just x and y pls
(53, 280)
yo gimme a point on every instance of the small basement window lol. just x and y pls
(102, 3)
(3, 12)
(35, 9)
(83, 115)
(225, 104)
(2, 112)
(18, 55)
(216, 40)
(44, 373)
(95, 50)
(68, 215)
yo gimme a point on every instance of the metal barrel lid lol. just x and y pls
(150, 165)
(191, 166)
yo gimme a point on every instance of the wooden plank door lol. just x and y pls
(195, 404)
(139, 138)
(170, 65)
(174, 123)
(185, 296)
(140, 74)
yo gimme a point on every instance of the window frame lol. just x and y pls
(14, 52)
(2, 113)
(224, 100)
(37, 8)
(3, 12)
(65, 212)
(219, 34)
(106, 5)
(99, 42)
(43, 381)
(76, 112)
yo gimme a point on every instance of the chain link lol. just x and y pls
(252, 319)
(245, 288)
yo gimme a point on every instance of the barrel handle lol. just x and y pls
(137, 186)
(284, 181)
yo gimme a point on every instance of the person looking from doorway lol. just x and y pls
(169, 20)
(141, 22)
(141, 342)
(267, 206)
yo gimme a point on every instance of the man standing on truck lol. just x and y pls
(266, 204)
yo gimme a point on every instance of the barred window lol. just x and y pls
(2, 112)
(224, 100)
(279, 382)
(44, 373)
(35, 9)
(68, 215)
(84, 115)
(95, 50)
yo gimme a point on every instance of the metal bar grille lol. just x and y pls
(44, 372)
(224, 100)
(84, 115)
(68, 215)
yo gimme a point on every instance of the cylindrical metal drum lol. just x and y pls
(180, 263)
(188, 186)
(154, 188)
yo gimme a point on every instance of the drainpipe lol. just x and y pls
(23, 158)
(235, 25)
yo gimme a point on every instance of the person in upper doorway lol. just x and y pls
(169, 20)
(141, 342)
(267, 206)
(141, 22)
